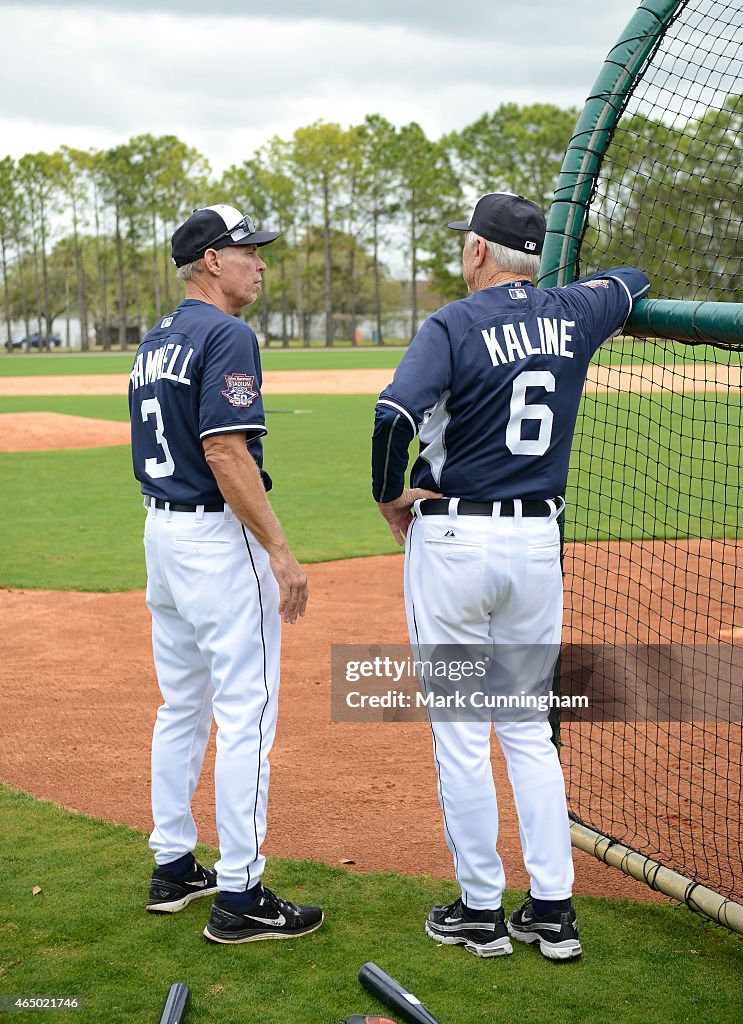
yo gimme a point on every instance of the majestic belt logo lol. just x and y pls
(240, 390)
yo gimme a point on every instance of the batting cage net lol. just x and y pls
(668, 196)
(653, 555)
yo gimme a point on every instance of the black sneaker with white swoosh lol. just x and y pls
(482, 932)
(267, 917)
(170, 893)
(557, 934)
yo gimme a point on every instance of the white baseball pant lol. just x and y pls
(216, 638)
(496, 580)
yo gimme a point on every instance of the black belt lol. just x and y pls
(440, 507)
(159, 503)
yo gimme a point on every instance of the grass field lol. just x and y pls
(621, 351)
(656, 466)
(77, 518)
(86, 934)
(625, 351)
(78, 514)
(280, 359)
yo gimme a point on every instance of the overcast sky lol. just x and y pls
(95, 73)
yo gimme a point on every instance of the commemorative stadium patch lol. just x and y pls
(240, 391)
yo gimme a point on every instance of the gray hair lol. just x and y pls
(520, 264)
(190, 270)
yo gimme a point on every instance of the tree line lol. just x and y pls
(86, 234)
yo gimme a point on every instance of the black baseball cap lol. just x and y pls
(215, 227)
(509, 220)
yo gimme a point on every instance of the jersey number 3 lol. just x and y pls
(520, 411)
(153, 467)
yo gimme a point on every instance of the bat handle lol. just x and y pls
(176, 1004)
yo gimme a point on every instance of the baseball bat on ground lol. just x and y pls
(389, 991)
(363, 1018)
(176, 1004)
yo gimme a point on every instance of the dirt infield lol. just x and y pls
(275, 382)
(80, 697)
(641, 378)
(670, 788)
(650, 577)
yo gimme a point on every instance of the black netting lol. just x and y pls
(669, 196)
(653, 553)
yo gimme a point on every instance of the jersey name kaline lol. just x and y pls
(492, 384)
(195, 374)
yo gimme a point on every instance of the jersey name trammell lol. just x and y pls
(177, 397)
(169, 362)
(554, 339)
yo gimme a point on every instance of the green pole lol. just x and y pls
(694, 322)
(718, 323)
(605, 105)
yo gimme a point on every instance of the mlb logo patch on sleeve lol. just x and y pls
(167, 321)
(240, 391)
(517, 293)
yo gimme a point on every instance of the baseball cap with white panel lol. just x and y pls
(215, 227)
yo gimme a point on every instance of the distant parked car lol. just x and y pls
(36, 341)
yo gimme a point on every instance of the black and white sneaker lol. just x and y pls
(484, 934)
(170, 893)
(557, 934)
(268, 917)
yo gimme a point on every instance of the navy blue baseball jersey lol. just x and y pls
(195, 374)
(492, 384)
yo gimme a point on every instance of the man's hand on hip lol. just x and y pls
(398, 513)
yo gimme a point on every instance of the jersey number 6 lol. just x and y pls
(154, 469)
(520, 411)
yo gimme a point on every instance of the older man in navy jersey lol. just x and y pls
(220, 578)
(491, 385)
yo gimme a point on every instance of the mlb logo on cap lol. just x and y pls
(508, 219)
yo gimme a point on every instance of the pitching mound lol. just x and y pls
(43, 431)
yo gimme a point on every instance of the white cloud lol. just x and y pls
(469, 19)
(96, 74)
